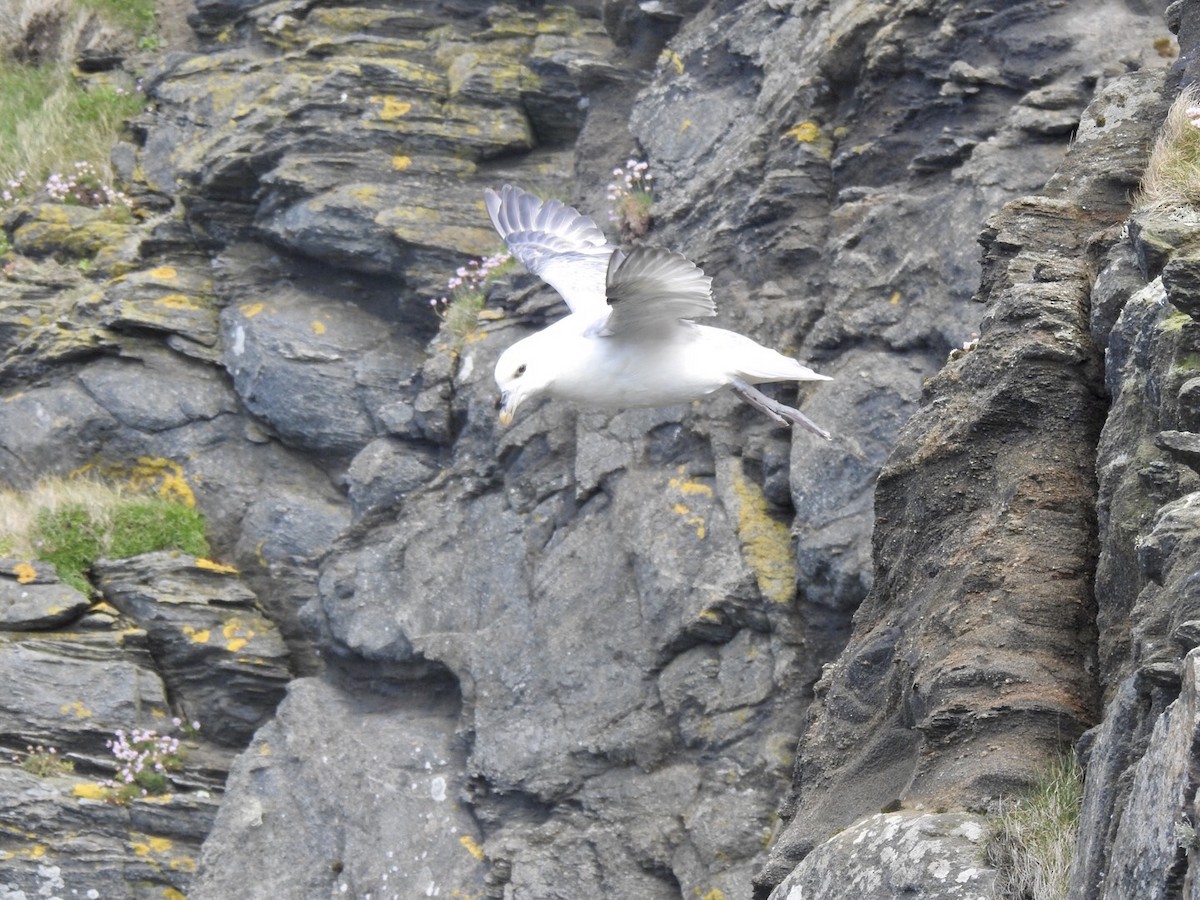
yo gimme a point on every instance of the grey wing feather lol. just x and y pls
(555, 242)
(652, 286)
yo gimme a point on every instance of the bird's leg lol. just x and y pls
(776, 410)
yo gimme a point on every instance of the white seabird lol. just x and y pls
(629, 340)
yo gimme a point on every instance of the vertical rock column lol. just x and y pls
(972, 659)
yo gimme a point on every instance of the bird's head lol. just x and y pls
(520, 374)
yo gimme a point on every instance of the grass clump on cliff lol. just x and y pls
(466, 293)
(52, 121)
(71, 523)
(51, 127)
(1172, 176)
(1033, 836)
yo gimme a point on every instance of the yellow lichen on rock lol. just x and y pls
(472, 846)
(177, 302)
(392, 108)
(766, 542)
(90, 791)
(76, 709)
(198, 635)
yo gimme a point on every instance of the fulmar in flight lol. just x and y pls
(629, 340)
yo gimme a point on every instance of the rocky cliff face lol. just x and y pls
(659, 653)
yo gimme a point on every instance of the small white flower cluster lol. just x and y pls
(632, 178)
(39, 750)
(142, 750)
(470, 278)
(1193, 113)
(13, 184)
(82, 186)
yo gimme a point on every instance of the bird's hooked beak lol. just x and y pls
(508, 405)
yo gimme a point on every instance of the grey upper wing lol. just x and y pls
(555, 242)
(652, 286)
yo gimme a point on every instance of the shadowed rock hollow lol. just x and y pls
(657, 653)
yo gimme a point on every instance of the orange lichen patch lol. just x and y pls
(75, 708)
(150, 845)
(177, 301)
(168, 474)
(392, 107)
(367, 194)
(25, 573)
(472, 846)
(250, 310)
(211, 566)
(691, 519)
(237, 635)
(804, 132)
(766, 542)
(200, 636)
(690, 488)
(164, 273)
(400, 162)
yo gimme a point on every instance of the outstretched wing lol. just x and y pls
(555, 242)
(652, 287)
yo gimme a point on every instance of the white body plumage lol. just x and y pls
(629, 340)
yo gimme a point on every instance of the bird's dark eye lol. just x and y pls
(520, 371)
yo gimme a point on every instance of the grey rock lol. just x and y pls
(158, 392)
(224, 664)
(33, 599)
(1148, 856)
(610, 627)
(410, 831)
(935, 856)
(62, 841)
(975, 467)
(73, 691)
(294, 359)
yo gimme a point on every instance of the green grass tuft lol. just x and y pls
(1033, 836)
(144, 526)
(71, 539)
(136, 16)
(1172, 176)
(48, 123)
(72, 523)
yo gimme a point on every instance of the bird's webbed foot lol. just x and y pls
(780, 412)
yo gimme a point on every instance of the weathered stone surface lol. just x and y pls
(224, 664)
(634, 608)
(59, 839)
(935, 856)
(74, 690)
(32, 598)
(969, 662)
(313, 369)
(1153, 850)
(410, 832)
